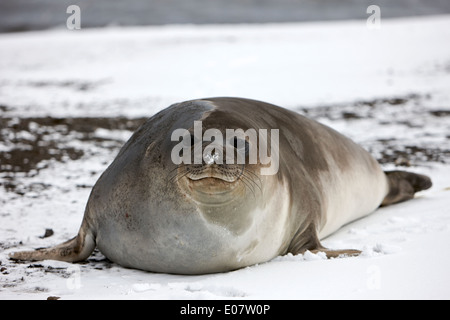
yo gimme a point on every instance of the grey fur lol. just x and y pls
(145, 212)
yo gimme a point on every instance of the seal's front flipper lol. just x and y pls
(307, 240)
(403, 185)
(338, 253)
(76, 249)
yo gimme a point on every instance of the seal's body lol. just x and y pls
(147, 212)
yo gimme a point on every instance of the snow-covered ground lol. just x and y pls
(70, 99)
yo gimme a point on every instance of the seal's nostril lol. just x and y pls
(209, 158)
(212, 156)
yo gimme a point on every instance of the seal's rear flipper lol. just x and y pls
(76, 249)
(403, 185)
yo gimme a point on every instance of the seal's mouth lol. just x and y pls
(210, 191)
(212, 175)
(210, 184)
(217, 184)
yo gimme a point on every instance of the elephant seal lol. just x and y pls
(152, 212)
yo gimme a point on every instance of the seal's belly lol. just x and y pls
(192, 244)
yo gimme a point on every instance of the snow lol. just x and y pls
(386, 89)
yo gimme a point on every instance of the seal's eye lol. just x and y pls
(189, 142)
(240, 144)
(194, 141)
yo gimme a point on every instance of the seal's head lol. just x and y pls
(220, 176)
(216, 179)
